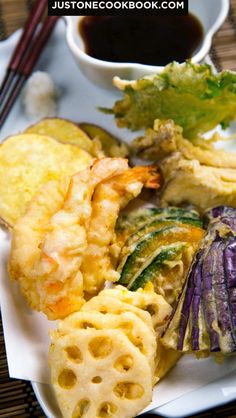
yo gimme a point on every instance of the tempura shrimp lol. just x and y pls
(49, 240)
(109, 198)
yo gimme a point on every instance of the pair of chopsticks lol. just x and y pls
(25, 56)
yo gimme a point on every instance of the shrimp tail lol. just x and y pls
(149, 176)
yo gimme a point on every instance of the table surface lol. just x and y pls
(17, 398)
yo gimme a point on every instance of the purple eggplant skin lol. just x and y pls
(223, 214)
(209, 306)
(207, 284)
(185, 312)
(219, 212)
(230, 222)
(219, 280)
(221, 294)
(196, 302)
(230, 272)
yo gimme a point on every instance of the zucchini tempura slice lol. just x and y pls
(139, 334)
(49, 240)
(99, 373)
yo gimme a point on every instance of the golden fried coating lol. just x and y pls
(99, 373)
(28, 161)
(62, 226)
(109, 198)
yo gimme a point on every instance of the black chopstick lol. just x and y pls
(27, 65)
(19, 52)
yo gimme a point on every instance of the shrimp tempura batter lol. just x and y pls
(60, 247)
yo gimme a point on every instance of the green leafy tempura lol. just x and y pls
(190, 94)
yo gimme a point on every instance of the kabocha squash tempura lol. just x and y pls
(157, 246)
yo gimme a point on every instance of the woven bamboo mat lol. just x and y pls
(16, 397)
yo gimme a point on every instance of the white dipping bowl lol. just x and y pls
(211, 14)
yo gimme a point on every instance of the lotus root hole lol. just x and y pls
(74, 354)
(128, 390)
(106, 410)
(67, 379)
(81, 408)
(139, 344)
(124, 363)
(86, 325)
(152, 309)
(97, 379)
(100, 347)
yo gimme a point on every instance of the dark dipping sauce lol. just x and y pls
(151, 40)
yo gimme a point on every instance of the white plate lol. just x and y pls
(210, 396)
(78, 102)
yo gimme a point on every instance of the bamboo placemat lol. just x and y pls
(17, 398)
